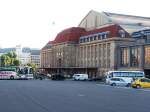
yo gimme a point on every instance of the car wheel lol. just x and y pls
(113, 84)
(128, 85)
(11, 77)
(138, 86)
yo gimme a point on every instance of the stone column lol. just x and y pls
(90, 58)
(86, 57)
(129, 56)
(113, 55)
(141, 63)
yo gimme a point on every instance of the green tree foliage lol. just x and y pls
(3, 58)
(16, 62)
(9, 59)
(34, 67)
(12, 54)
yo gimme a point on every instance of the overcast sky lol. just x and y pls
(32, 23)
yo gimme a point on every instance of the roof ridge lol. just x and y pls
(87, 15)
(110, 13)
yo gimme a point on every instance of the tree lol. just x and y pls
(3, 62)
(16, 62)
(34, 67)
(9, 59)
(12, 54)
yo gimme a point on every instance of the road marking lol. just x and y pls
(81, 95)
(124, 87)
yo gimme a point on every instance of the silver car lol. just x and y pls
(118, 82)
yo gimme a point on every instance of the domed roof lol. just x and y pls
(48, 45)
(70, 34)
(50, 42)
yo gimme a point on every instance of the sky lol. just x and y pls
(32, 23)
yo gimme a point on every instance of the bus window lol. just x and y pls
(124, 74)
(131, 74)
(26, 70)
(116, 74)
(30, 70)
(139, 74)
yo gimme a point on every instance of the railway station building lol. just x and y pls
(100, 43)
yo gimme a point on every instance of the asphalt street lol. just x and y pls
(70, 96)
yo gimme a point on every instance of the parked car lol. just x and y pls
(42, 76)
(119, 82)
(80, 76)
(141, 83)
(57, 77)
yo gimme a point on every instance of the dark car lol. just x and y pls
(57, 77)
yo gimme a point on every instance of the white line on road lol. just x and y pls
(81, 95)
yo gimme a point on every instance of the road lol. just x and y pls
(70, 96)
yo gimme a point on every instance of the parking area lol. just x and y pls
(70, 96)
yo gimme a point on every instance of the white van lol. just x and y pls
(80, 76)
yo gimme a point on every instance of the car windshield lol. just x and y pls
(115, 79)
(145, 80)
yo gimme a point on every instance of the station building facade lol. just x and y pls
(101, 42)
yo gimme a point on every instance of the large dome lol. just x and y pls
(70, 34)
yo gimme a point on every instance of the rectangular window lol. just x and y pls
(103, 36)
(124, 57)
(147, 55)
(135, 56)
(91, 38)
(99, 37)
(95, 37)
